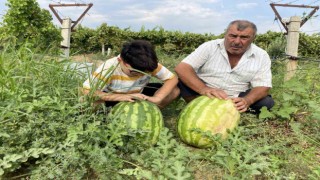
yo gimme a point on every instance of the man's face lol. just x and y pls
(237, 42)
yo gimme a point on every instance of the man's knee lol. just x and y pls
(189, 98)
(267, 102)
(186, 92)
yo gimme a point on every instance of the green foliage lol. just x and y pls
(309, 45)
(166, 160)
(32, 93)
(87, 149)
(264, 40)
(82, 41)
(276, 49)
(26, 21)
(171, 42)
(111, 36)
(88, 40)
(238, 157)
(297, 96)
(46, 133)
(275, 44)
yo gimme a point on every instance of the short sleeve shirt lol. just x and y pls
(210, 62)
(109, 77)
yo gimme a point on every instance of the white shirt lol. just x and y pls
(210, 62)
(109, 77)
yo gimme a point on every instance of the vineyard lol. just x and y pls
(48, 133)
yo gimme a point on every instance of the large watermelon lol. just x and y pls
(203, 115)
(142, 117)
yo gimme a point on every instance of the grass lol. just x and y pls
(48, 134)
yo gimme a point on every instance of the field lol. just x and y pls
(48, 133)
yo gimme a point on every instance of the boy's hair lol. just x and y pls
(140, 55)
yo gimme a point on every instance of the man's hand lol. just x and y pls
(241, 104)
(214, 92)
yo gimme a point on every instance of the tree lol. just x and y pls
(108, 35)
(102, 36)
(27, 22)
(83, 41)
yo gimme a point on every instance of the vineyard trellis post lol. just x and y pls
(292, 46)
(293, 28)
(68, 25)
(66, 35)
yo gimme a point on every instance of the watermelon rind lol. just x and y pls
(206, 115)
(140, 116)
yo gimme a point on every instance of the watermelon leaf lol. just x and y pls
(265, 113)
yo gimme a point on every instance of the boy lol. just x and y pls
(126, 77)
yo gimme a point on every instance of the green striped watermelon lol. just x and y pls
(204, 114)
(140, 116)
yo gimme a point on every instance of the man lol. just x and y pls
(232, 67)
(126, 77)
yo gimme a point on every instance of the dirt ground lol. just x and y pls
(89, 58)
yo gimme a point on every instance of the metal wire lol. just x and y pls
(285, 57)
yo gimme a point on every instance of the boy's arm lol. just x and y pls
(166, 89)
(114, 96)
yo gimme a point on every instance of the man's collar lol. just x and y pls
(249, 51)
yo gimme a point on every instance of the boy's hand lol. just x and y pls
(131, 97)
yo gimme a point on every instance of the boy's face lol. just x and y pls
(127, 69)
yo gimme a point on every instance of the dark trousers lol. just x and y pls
(267, 101)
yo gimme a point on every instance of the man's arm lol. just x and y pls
(189, 77)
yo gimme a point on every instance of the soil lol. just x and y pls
(89, 58)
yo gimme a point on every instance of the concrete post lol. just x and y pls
(66, 34)
(292, 45)
(109, 52)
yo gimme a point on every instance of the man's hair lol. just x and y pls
(242, 25)
(140, 55)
